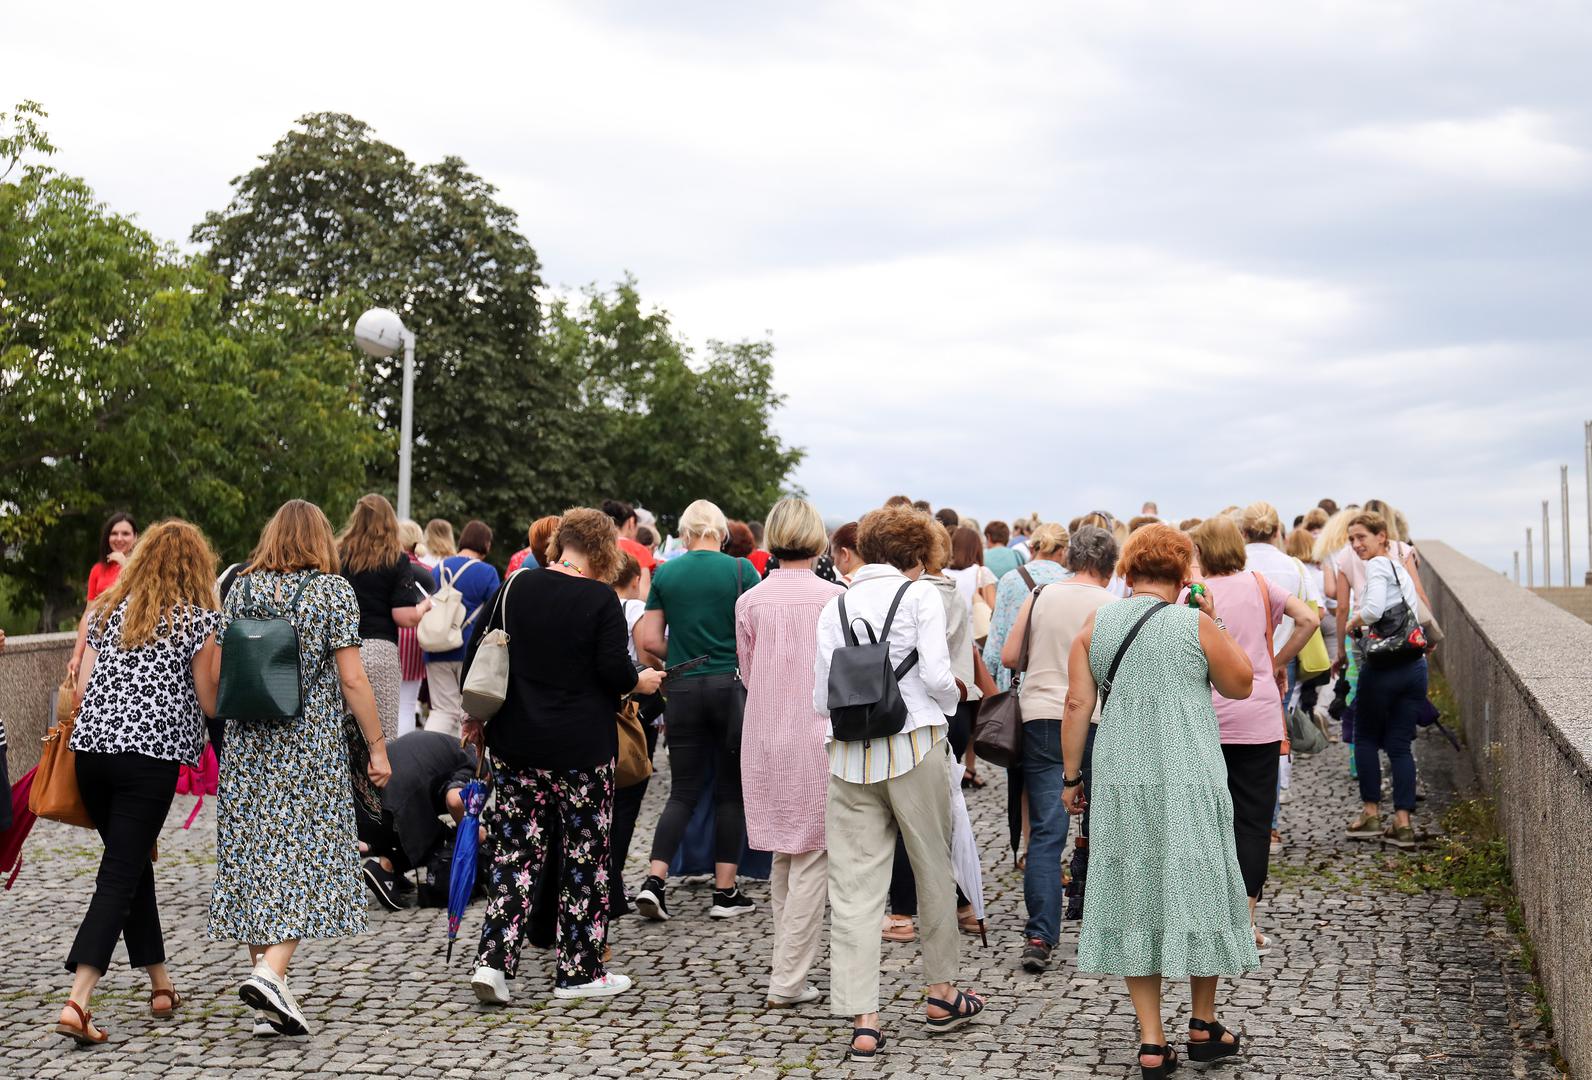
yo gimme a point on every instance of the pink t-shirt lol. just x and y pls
(1257, 718)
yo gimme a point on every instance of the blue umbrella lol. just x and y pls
(466, 843)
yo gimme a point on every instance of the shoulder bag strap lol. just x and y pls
(503, 596)
(1028, 629)
(1265, 608)
(1122, 650)
(1028, 579)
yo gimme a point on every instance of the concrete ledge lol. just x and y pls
(31, 669)
(1521, 668)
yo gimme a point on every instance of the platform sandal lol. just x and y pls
(1168, 1064)
(79, 1033)
(1212, 1049)
(940, 1024)
(869, 1033)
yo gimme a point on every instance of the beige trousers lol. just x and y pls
(860, 823)
(799, 886)
(447, 699)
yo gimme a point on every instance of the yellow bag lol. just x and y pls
(1313, 658)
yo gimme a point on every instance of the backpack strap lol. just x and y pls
(1116, 662)
(884, 635)
(292, 605)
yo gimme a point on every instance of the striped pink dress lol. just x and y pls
(784, 767)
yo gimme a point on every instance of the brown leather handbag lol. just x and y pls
(998, 728)
(54, 794)
(633, 764)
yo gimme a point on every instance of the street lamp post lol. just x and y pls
(380, 333)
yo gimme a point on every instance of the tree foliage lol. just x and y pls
(126, 384)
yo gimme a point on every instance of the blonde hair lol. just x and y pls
(1334, 534)
(410, 536)
(703, 519)
(1048, 539)
(439, 538)
(795, 530)
(369, 540)
(1260, 522)
(1220, 545)
(171, 572)
(298, 537)
(1301, 545)
(939, 552)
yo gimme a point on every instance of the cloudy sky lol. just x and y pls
(1013, 257)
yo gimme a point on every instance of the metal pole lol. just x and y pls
(1564, 519)
(1547, 550)
(1531, 574)
(406, 426)
(1517, 568)
(1589, 502)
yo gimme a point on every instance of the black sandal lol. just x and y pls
(940, 1024)
(863, 1055)
(1212, 1049)
(1168, 1064)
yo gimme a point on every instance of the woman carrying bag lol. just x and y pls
(149, 678)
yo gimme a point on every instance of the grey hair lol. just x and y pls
(1092, 550)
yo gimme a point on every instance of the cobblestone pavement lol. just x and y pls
(1363, 982)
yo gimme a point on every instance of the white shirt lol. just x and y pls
(928, 690)
(1383, 589)
(969, 580)
(1282, 570)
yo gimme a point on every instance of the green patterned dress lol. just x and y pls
(1165, 895)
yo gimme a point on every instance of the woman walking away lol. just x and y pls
(1392, 686)
(694, 596)
(477, 580)
(784, 770)
(391, 597)
(117, 538)
(1048, 621)
(1048, 545)
(287, 864)
(974, 580)
(411, 660)
(1252, 725)
(439, 543)
(900, 783)
(553, 746)
(1166, 896)
(148, 673)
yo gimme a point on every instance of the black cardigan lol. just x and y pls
(568, 669)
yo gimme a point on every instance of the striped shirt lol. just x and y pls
(883, 759)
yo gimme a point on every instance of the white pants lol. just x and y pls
(409, 705)
(799, 886)
(447, 700)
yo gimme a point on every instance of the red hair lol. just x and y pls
(1156, 553)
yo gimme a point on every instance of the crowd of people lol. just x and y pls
(822, 692)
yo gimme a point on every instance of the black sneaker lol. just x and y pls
(384, 883)
(649, 900)
(1036, 956)
(728, 903)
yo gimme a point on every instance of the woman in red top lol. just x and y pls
(116, 544)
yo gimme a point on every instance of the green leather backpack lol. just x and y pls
(260, 671)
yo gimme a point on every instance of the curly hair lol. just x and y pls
(171, 572)
(592, 533)
(1156, 553)
(897, 536)
(940, 551)
(369, 541)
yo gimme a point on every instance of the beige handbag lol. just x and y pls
(486, 686)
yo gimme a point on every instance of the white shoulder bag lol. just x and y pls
(441, 628)
(486, 686)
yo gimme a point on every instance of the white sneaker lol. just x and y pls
(491, 986)
(262, 1026)
(808, 995)
(607, 986)
(267, 992)
(1284, 798)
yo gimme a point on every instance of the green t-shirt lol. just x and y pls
(1002, 561)
(696, 593)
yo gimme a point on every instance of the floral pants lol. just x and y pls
(535, 807)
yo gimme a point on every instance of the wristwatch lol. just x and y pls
(1074, 782)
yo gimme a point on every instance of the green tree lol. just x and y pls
(669, 428)
(126, 384)
(340, 218)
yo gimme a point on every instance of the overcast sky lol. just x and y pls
(1013, 257)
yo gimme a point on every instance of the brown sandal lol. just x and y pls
(80, 1034)
(173, 997)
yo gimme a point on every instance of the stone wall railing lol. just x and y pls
(31, 669)
(1522, 671)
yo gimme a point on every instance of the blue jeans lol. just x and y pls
(1387, 705)
(1047, 821)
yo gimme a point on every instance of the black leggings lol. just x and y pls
(703, 720)
(127, 796)
(627, 807)
(1252, 781)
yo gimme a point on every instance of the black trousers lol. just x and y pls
(627, 807)
(704, 726)
(127, 797)
(1252, 781)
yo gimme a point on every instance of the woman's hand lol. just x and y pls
(1204, 600)
(1072, 800)
(647, 681)
(117, 557)
(379, 770)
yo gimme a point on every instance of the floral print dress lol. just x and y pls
(286, 862)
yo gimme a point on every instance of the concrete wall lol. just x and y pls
(1522, 671)
(30, 670)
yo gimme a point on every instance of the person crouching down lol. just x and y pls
(429, 769)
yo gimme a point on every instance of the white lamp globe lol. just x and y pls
(379, 332)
